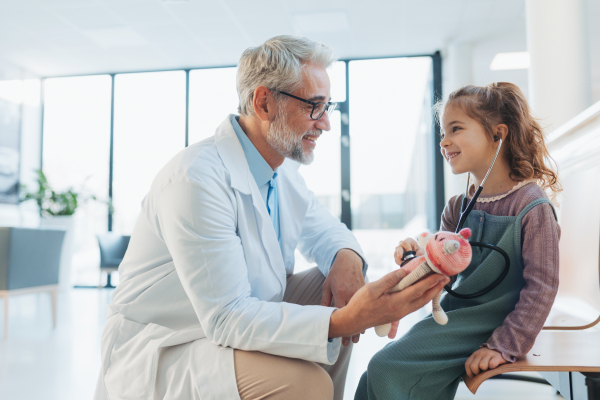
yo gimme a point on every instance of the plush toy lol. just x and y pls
(445, 253)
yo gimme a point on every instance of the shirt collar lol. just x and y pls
(260, 169)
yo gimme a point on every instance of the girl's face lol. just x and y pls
(465, 145)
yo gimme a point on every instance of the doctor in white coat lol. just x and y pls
(209, 306)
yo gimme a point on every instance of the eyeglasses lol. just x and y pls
(318, 108)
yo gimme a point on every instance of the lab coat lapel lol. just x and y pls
(231, 152)
(268, 236)
(293, 203)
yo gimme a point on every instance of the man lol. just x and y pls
(208, 306)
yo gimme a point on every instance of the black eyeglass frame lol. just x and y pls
(329, 107)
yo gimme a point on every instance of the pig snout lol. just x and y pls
(451, 246)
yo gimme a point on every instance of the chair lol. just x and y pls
(112, 251)
(567, 352)
(29, 263)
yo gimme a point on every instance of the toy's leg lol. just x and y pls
(438, 312)
(418, 273)
(411, 278)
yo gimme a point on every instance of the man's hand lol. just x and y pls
(373, 304)
(405, 245)
(482, 360)
(344, 279)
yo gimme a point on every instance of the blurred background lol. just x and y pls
(100, 94)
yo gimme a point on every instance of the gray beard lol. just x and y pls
(287, 142)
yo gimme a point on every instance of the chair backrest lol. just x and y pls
(576, 149)
(29, 257)
(112, 249)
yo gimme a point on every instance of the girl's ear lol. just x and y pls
(500, 132)
(465, 233)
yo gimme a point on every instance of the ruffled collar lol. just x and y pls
(496, 197)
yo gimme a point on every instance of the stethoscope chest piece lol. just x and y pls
(407, 257)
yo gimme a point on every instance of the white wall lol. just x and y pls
(469, 63)
(511, 40)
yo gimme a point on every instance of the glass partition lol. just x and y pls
(213, 96)
(323, 176)
(76, 153)
(337, 77)
(149, 129)
(11, 100)
(387, 101)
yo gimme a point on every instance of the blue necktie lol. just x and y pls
(272, 205)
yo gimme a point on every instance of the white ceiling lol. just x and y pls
(72, 37)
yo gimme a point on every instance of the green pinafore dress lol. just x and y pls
(428, 361)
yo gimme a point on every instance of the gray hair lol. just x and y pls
(277, 65)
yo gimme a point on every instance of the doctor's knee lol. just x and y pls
(283, 378)
(310, 381)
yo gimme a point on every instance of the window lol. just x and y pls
(387, 113)
(149, 129)
(323, 175)
(213, 96)
(76, 154)
(388, 147)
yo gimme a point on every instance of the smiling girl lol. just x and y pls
(514, 213)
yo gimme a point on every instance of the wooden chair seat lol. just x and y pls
(553, 351)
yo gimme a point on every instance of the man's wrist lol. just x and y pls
(334, 324)
(340, 323)
(349, 256)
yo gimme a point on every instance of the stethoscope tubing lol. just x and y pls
(464, 213)
(493, 285)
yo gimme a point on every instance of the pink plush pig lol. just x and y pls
(446, 253)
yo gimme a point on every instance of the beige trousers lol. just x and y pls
(265, 376)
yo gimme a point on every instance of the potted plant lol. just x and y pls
(57, 209)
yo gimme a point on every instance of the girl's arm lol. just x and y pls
(451, 214)
(540, 234)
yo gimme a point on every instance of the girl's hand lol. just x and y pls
(406, 245)
(482, 360)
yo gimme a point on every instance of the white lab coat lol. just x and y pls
(204, 265)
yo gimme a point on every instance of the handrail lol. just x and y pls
(575, 124)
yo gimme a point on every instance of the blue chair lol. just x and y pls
(29, 263)
(112, 251)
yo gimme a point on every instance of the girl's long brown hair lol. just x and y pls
(504, 103)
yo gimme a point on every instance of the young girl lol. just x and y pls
(513, 213)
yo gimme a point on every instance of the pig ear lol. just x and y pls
(465, 233)
(423, 238)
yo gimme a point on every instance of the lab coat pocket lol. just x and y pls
(133, 362)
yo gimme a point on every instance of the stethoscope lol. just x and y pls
(465, 210)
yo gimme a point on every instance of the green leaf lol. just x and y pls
(53, 203)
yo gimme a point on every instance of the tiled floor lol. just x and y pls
(38, 362)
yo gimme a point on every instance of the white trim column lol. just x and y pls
(559, 77)
(458, 72)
